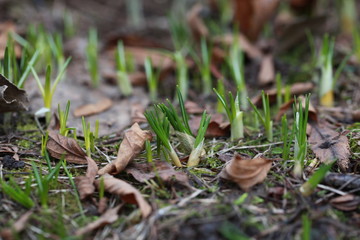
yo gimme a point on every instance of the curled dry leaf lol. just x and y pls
(246, 172)
(132, 144)
(110, 216)
(251, 15)
(17, 227)
(144, 171)
(12, 99)
(348, 202)
(91, 109)
(126, 192)
(59, 146)
(329, 145)
(85, 184)
(197, 25)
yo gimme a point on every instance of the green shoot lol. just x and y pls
(326, 91)
(356, 43)
(71, 179)
(235, 116)
(308, 188)
(300, 123)
(44, 140)
(48, 89)
(236, 64)
(101, 188)
(92, 57)
(89, 137)
(279, 94)
(124, 83)
(57, 48)
(181, 73)
(348, 16)
(15, 192)
(286, 138)
(266, 117)
(63, 117)
(97, 126)
(204, 66)
(43, 183)
(221, 91)
(149, 156)
(69, 27)
(306, 227)
(152, 79)
(161, 129)
(134, 10)
(198, 148)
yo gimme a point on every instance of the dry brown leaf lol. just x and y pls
(159, 59)
(59, 146)
(197, 25)
(347, 202)
(145, 171)
(85, 184)
(251, 50)
(12, 99)
(329, 145)
(246, 172)
(267, 70)
(296, 89)
(193, 108)
(91, 109)
(132, 144)
(252, 15)
(110, 216)
(137, 113)
(217, 126)
(17, 227)
(126, 192)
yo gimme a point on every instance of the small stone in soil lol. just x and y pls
(10, 163)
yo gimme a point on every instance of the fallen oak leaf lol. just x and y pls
(126, 192)
(246, 172)
(95, 108)
(59, 146)
(110, 216)
(329, 145)
(85, 184)
(132, 144)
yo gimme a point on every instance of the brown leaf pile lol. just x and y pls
(246, 172)
(329, 145)
(59, 146)
(132, 144)
(126, 192)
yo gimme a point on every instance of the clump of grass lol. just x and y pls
(124, 83)
(234, 114)
(63, 117)
(300, 123)
(266, 117)
(92, 57)
(16, 192)
(43, 182)
(161, 127)
(89, 136)
(47, 89)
